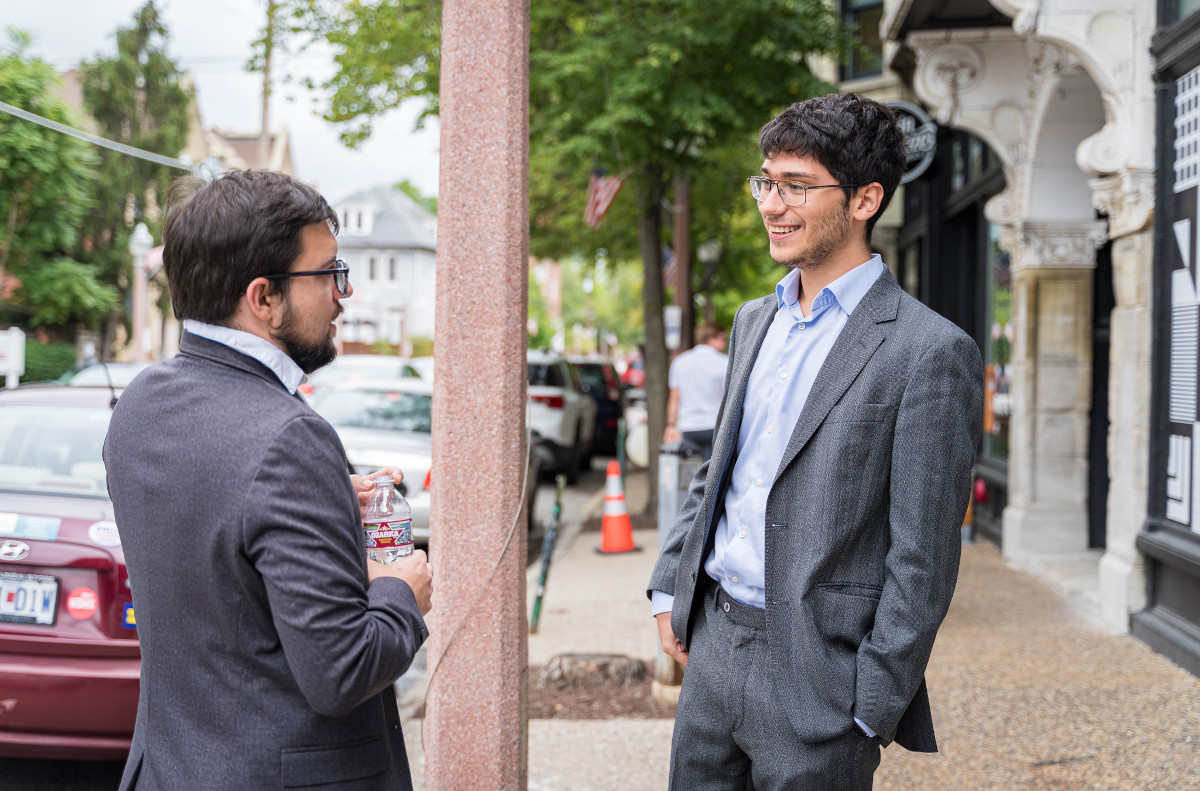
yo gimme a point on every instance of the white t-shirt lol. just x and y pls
(699, 375)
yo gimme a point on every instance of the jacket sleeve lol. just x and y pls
(938, 426)
(344, 641)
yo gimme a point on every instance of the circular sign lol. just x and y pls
(921, 133)
(105, 534)
(82, 603)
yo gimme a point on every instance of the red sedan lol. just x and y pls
(69, 659)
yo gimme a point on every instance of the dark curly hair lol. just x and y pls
(856, 139)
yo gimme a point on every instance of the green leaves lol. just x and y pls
(45, 181)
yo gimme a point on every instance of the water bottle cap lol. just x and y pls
(384, 480)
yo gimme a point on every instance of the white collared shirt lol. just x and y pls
(251, 345)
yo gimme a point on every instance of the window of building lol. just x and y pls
(391, 269)
(866, 16)
(370, 269)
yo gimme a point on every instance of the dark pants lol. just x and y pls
(700, 442)
(732, 734)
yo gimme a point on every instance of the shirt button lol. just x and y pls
(783, 374)
(741, 534)
(735, 579)
(800, 326)
(758, 481)
(769, 429)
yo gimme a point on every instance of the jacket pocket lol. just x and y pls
(333, 763)
(846, 613)
(860, 413)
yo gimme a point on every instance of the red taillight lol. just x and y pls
(554, 402)
(428, 478)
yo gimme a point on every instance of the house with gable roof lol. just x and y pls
(389, 242)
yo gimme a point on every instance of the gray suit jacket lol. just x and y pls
(863, 518)
(267, 659)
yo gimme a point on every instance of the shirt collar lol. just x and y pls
(848, 290)
(251, 345)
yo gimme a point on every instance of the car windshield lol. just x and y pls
(383, 409)
(53, 450)
(100, 375)
(545, 375)
(592, 375)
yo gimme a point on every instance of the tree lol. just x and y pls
(141, 98)
(45, 177)
(640, 87)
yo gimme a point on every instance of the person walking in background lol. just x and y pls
(269, 643)
(697, 382)
(815, 557)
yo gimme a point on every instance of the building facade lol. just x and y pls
(390, 243)
(1035, 230)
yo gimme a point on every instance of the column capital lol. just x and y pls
(1127, 198)
(1053, 244)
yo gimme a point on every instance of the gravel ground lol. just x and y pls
(1027, 694)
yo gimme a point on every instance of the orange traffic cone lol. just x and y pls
(616, 530)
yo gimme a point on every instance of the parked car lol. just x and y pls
(561, 413)
(103, 374)
(388, 422)
(354, 367)
(634, 374)
(601, 381)
(69, 658)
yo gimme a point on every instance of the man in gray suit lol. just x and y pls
(816, 553)
(269, 642)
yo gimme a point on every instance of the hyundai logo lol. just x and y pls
(14, 550)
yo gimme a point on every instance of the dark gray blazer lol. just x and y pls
(267, 659)
(863, 518)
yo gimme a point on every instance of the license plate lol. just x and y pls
(28, 598)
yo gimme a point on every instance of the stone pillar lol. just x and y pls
(1053, 264)
(1127, 199)
(476, 735)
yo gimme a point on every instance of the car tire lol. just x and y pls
(573, 467)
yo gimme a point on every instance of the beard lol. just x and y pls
(828, 234)
(309, 356)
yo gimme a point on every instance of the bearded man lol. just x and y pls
(269, 642)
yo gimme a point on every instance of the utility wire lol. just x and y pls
(99, 141)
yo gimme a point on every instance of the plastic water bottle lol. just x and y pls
(387, 523)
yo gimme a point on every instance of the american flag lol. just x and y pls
(601, 191)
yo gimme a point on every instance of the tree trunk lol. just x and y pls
(650, 245)
(683, 261)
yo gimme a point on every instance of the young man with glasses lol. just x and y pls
(269, 642)
(816, 554)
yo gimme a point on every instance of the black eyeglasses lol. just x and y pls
(792, 193)
(341, 275)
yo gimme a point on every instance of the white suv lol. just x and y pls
(561, 413)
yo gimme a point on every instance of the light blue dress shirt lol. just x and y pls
(251, 345)
(791, 355)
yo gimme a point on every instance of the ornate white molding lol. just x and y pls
(1048, 244)
(1127, 198)
(946, 71)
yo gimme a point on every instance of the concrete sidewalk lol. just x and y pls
(1026, 692)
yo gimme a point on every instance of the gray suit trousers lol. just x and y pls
(729, 688)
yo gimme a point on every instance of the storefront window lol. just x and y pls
(997, 400)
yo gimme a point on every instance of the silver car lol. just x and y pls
(387, 423)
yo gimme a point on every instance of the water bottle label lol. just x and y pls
(387, 535)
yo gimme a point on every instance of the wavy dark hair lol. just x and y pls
(221, 234)
(855, 138)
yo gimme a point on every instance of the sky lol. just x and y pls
(211, 39)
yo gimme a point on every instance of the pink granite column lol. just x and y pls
(476, 734)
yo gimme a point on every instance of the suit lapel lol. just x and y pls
(857, 342)
(757, 323)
